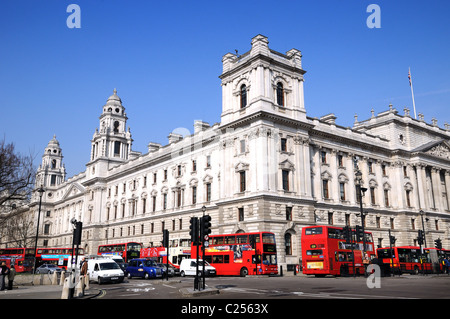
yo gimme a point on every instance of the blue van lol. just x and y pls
(145, 268)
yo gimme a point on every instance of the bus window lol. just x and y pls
(241, 239)
(315, 252)
(343, 256)
(313, 231)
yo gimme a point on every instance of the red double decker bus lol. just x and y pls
(325, 252)
(241, 254)
(406, 259)
(57, 256)
(21, 258)
(127, 251)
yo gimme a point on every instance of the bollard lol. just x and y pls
(79, 289)
(281, 271)
(63, 277)
(65, 291)
(54, 278)
(86, 282)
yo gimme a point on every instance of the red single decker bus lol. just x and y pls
(241, 254)
(57, 256)
(21, 258)
(406, 259)
(325, 252)
(127, 251)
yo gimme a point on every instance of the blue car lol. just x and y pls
(145, 268)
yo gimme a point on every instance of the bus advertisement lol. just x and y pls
(21, 258)
(325, 252)
(57, 256)
(406, 259)
(241, 254)
(127, 251)
(176, 254)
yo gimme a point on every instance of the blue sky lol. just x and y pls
(164, 58)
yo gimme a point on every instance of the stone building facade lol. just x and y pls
(265, 166)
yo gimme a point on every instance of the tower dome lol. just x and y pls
(114, 99)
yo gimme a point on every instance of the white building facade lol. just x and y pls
(266, 166)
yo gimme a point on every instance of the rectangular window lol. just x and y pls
(208, 192)
(116, 149)
(194, 165)
(284, 145)
(372, 196)
(323, 157)
(153, 203)
(340, 161)
(288, 213)
(208, 161)
(53, 180)
(342, 190)
(164, 201)
(386, 198)
(241, 214)
(285, 176)
(325, 189)
(242, 181)
(242, 146)
(194, 194)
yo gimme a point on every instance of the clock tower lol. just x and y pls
(111, 144)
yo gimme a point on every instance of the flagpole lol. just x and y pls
(412, 92)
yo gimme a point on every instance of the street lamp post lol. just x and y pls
(41, 192)
(423, 227)
(202, 240)
(361, 191)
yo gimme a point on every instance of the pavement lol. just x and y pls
(42, 292)
(30, 291)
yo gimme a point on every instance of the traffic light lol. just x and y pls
(420, 238)
(347, 234)
(359, 233)
(194, 230)
(77, 233)
(438, 243)
(165, 241)
(392, 240)
(205, 226)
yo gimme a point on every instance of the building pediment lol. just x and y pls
(73, 190)
(439, 149)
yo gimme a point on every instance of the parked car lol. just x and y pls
(164, 268)
(188, 267)
(48, 269)
(145, 268)
(104, 270)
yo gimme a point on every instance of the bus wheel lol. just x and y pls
(416, 270)
(244, 272)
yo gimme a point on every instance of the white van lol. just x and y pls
(188, 267)
(104, 270)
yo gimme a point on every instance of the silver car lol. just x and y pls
(48, 269)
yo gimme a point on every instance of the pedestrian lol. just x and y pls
(84, 267)
(447, 265)
(4, 271)
(11, 275)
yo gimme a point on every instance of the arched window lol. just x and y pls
(243, 96)
(280, 94)
(116, 126)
